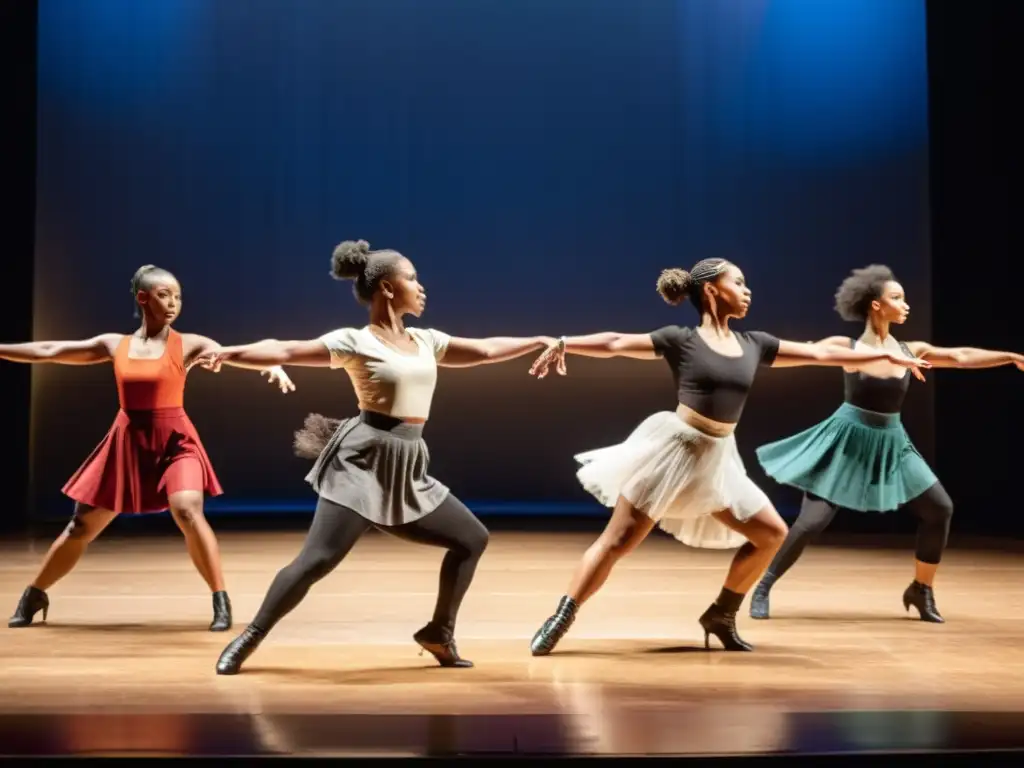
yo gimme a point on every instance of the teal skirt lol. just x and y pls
(855, 459)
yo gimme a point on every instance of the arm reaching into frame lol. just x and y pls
(639, 346)
(793, 354)
(98, 349)
(201, 349)
(964, 357)
(460, 352)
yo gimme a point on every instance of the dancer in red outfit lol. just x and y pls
(151, 458)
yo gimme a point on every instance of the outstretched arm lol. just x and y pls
(964, 357)
(794, 353)
(467, 353)
(199, 349)
(98, 349)
(269, 353)
(640, 346)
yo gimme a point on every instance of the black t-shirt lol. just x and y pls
(714, 385)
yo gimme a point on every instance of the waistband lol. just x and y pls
(152, 414)
(869, 418)
(392, 425)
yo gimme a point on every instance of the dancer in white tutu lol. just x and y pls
(681, 470)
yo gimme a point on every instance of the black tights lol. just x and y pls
(933, 509)
(336, 529)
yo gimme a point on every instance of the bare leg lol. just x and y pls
(627, 527)
(765, 533)
(625, 530)
(203, 549)
(86, 524)
(201, 541)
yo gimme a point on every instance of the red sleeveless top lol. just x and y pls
(152, 383)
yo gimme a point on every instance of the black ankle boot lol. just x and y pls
(759, 608)
(221, 612)
(238, 650)
(722, 624)
(32, 601)
(922, 597)
(554, 629)
(439, 643)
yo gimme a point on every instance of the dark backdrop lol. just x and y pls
(622, 229)
(541, 163)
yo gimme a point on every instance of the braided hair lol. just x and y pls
(676, 285)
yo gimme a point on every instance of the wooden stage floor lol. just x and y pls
(125, 664)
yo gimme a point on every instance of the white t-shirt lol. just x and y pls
(386, 380)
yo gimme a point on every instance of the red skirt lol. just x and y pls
(145, 457)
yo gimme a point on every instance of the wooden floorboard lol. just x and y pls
(126, 638)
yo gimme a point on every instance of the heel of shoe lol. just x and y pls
(554, 628)
(439, 643)
(239, 650)
(32, 601)
(922, 597)
(716, 621)
(222, 619)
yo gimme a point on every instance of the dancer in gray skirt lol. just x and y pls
(372, 471)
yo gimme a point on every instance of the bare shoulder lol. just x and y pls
(109, 341)
(196, 343)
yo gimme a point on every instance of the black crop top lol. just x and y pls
(875, 393)
(714, 385)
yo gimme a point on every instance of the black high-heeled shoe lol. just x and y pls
(238, 650)
(440, 644)
(759, 604)
(32, 601)
(922, 597)
(221, 612)
(554, 628)
(716, 621)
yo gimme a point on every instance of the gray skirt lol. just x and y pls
(376, 465)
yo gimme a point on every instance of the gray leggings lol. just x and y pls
(336, 529)
(933, 509)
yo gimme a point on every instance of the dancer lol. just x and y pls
(373, 471)
(860, 457)
(151, 458)
(682, 470)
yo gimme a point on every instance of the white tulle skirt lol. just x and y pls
(679, 477)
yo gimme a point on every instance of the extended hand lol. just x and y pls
(915, 364)
(553, 354)
(1019, 362)
(211, 361)
(276, 375)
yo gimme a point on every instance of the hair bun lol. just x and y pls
(674, 285)
(350, 259)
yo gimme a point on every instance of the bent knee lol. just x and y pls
(480, 542)
(771, 535)
(78, 528)
(619, 540)
(187, 513)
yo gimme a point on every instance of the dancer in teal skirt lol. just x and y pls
(861, 457)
